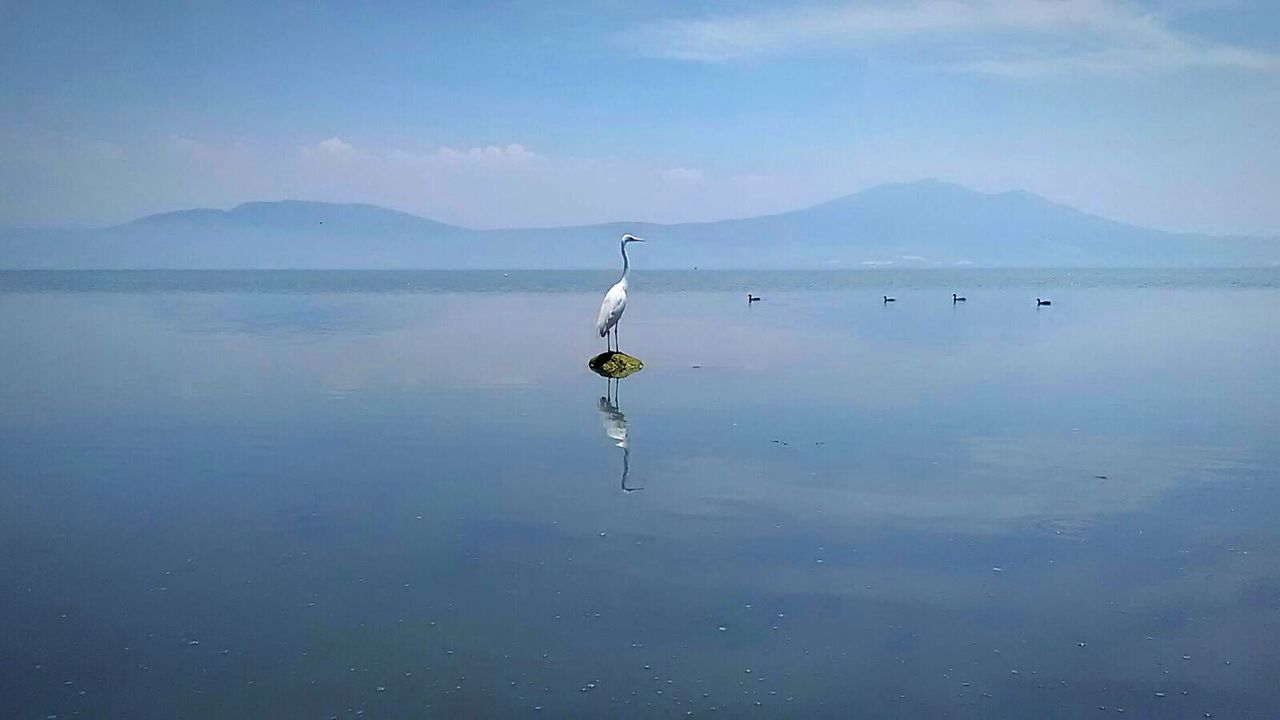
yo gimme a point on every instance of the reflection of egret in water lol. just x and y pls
(615, 426)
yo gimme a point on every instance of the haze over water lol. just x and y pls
(321, 495)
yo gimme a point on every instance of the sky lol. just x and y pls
(1163, 113)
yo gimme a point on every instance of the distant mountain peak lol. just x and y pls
(177, 216)
(295, 214)
(922, 223)
(318, 205)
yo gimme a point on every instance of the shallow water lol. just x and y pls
(327, 495)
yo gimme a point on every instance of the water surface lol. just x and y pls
(321, 495)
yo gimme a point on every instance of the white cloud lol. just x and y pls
(56, 179)
(106, 150)
(680, 174)
(489, 155)
(514, 185)
(1018, 37)
(335, 147)
(50, 179)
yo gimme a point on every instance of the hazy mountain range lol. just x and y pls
(922, 224)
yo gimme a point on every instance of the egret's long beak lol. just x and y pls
(636, 239)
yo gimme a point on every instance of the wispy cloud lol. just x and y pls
(333, 147)
(512, 184)
(486, 156)
(997, 37)
(53, 179)
(680, 174)
(489, 155)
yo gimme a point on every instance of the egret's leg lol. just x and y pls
(616, 345)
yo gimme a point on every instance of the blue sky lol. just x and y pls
(1162, 113)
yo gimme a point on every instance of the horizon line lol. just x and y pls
(926, 181)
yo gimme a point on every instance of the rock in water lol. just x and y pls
(615, 365)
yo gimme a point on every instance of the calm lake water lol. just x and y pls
(319, 495)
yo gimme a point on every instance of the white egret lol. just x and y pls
(615, 301)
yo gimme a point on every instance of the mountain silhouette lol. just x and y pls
(920, 224)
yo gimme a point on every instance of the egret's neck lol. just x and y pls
(626, 264)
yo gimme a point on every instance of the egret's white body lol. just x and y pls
(615, 301)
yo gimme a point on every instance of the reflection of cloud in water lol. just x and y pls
(819, 341)
(277, 315)
(949, 449)
(182, 344)
(992, 485)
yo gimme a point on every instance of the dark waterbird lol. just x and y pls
(753, 298)
(1040, 302)
(956, 299)
(889, 299)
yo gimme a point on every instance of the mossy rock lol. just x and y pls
(615, 365)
